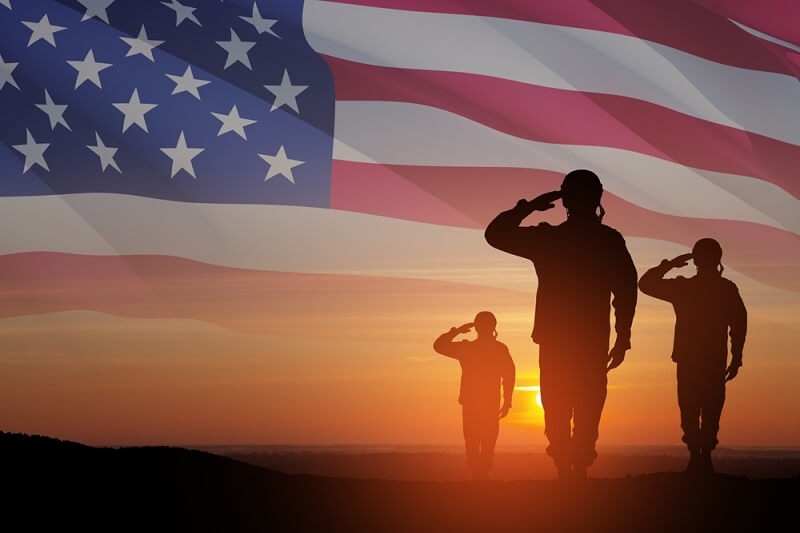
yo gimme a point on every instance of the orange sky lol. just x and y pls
(351, 366)
(165, 351)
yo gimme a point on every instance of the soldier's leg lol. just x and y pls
(591, 398)
(555, 390)
(490, 429)
(689, 402)
(472, 436)
(713, 400)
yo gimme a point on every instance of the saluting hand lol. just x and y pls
(464, 328)
(679, 261)
(543, 202)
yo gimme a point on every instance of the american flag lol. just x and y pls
(314, 147)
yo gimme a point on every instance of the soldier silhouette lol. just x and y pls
(708, 309)
(583, 267)
(486, 367)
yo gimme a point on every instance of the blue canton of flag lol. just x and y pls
(187, 100)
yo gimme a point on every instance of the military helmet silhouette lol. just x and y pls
(485, 321)
(707, 252)
(582, 187)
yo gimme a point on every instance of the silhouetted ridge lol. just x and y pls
(23, 441)
(56, 485)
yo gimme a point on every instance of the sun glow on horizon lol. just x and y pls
(532, 388)
(527, 410)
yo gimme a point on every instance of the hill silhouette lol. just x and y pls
(51, 483)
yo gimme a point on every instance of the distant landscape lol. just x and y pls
(60, 485)
(446, 463)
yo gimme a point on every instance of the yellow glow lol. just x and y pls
(532, 388)
(527, 406)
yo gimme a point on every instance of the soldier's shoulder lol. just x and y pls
(502, 348)
(612, 236)
(611, 232)
(729, 284)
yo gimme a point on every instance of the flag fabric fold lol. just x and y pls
(264, 140)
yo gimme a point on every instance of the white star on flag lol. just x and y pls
(187, 83)
(88, 69)
(233, 122)
(33, 152)
(105, 153)
(259, 23)
(182, 12)
(182, 157)
(280, 164)
(55, 112)
(43, 30)
(237, 50)
(6, 3)
(96, 8)
(141, 44)
(134, 111)
(5, 73)
(286, 93)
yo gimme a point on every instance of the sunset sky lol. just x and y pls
(347, 360)
(169, 313)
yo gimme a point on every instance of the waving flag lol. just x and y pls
(163, 158)
(691, 134)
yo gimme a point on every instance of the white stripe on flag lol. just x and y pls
(770, 38)
(412, 134)
(558, 57)
(291, 239)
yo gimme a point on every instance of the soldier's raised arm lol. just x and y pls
(652, 282)
(444, 343)
(504, 232)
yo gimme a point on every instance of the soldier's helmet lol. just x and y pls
(582, 188)
(485, 321)
(707, 253)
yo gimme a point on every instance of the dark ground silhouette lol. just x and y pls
(55, 484)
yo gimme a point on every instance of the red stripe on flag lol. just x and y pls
(763, 253)
(777, 18)
(577, 118)
(705, 30)
(279, 304)
(384, 190)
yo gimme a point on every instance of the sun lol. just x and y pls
(532, 388)
(527, 405)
